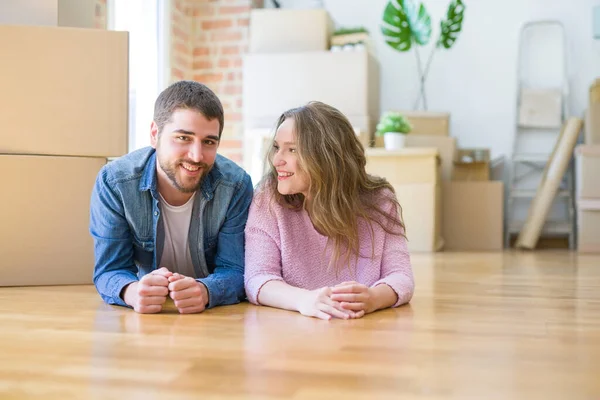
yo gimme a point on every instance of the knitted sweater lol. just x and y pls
(282, 244)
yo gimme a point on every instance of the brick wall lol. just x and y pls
(208, 39)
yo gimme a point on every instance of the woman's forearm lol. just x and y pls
(281, 295)
(383, 297)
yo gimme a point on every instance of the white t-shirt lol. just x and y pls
(176, 252)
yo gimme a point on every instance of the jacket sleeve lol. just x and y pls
(114, 267)
(226, 284)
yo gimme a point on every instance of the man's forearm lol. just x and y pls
(110, 285)
(225, 286)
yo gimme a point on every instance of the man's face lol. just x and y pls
(186, 149)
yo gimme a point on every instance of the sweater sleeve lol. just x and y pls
(396, 268)
(263, 248)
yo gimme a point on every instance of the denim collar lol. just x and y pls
(149, 179)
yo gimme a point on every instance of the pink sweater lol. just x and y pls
(282, 244)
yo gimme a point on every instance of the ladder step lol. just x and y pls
(530, 193)
(532, 157)
(552, 129)
(549, 228)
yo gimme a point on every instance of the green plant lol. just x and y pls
(405, 24)
(393, 121)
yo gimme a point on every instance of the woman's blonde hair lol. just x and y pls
(340, 190)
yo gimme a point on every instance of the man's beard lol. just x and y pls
(170, 170)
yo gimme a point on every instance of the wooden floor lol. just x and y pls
(481, 326)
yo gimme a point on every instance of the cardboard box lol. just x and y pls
(65, 91)
(472, 165)
(75, 13)
(588, 231)
(274, 83)
(587, 171)
(592, 122)
(541, 108)
(446, 146)
(473, 216)
(409, 165)
(428, 123)
(422, 214)
(44, 209)
(289, 30)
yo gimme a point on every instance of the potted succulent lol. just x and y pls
(393, 126)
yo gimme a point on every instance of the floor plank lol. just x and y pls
(512, 325)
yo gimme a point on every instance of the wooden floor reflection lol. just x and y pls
(481, 326)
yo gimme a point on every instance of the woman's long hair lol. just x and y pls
(341, 192)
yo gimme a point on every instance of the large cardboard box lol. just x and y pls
(592, 120)
(416, 176)
(422, 213)
(408, 165)
(44, 209)
(473, 215)
(587, 171)
(289, 30)
(75, 13)
(64, 91)
(428, 123)
(446, 146)
(588, 230)
(274, 83)
(472, 165)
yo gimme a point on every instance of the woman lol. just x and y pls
(323, 237)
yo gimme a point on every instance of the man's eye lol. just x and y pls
(184, 138)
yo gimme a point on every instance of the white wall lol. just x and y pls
(476, 80)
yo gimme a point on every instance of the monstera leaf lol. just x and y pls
(404, 24)
(452, 25)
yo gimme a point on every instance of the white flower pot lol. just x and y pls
(393, 140)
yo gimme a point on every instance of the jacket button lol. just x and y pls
(156, 213)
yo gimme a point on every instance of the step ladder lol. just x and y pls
(541, 112)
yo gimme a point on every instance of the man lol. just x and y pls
(168, 220)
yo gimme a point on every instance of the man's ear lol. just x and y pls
(153, 134)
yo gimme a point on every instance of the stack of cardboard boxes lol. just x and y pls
(587, 182)
(290, 63)
(415, 174)
(64, 104)
(464, 208)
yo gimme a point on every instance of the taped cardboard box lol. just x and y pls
(274, 30)
(44, 235)
(65, 91)
(408, 165)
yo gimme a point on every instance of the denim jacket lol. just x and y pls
(126, 225)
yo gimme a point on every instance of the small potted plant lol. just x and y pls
(393, 126)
